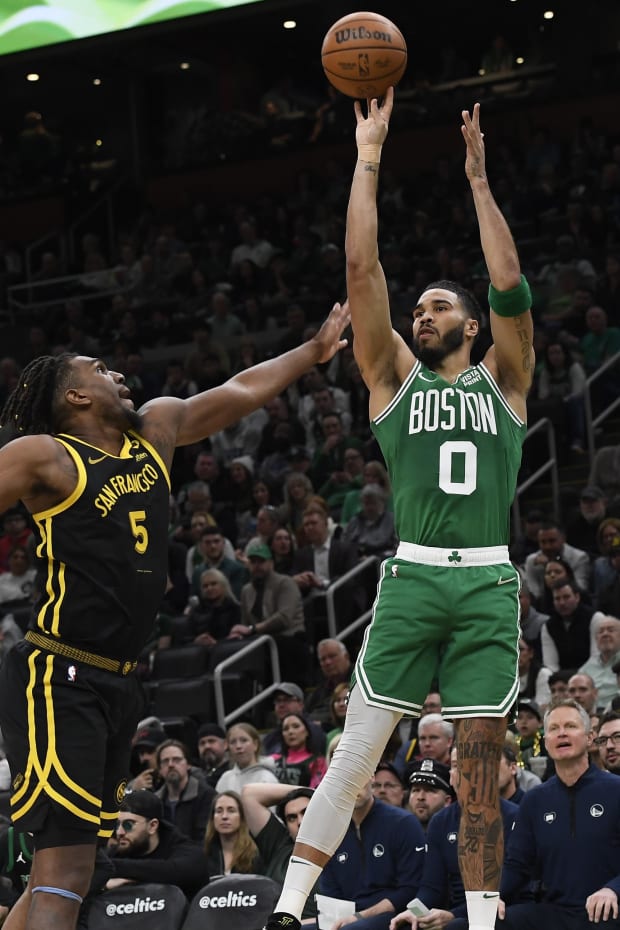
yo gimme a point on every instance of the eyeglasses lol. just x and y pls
(603, 740)
(127, 825)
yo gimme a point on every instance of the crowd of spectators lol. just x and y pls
(276, 509)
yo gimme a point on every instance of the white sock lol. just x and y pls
(301, 876)
(482, 909)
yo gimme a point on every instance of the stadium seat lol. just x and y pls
(180, 662)
(138, 907)
(233, 902)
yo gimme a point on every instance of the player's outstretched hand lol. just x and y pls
(373, 129)
(474, 140)
(329, 336)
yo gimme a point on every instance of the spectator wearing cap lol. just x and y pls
(552, 543)
(372, 531)
(212, 751)
(430, 791)
(150, 849)
(144, 745)
(271, 604)
(288, 698)
(379, 862)
(600, 666)
(387, 785)
(441, 888)
(336, 668)
(186, 797)
(609, 598)
(582, 529)
(529, 734)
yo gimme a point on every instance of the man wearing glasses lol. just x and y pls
(150, 849)
(608, 741)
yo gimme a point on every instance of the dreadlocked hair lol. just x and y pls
(33, 405)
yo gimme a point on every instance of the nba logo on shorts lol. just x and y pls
(71, 673)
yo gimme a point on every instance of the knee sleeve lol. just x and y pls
(366, 732)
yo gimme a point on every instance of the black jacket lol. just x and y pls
(175, 861)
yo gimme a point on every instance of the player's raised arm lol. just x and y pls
(376, 346)
(210, 411)
(509, 294)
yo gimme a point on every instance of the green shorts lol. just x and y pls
(459, 625)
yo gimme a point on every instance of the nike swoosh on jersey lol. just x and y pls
(92, 461)
(430, 380)
(505, 580)
(420, 848)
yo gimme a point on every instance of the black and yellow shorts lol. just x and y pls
(67, 729)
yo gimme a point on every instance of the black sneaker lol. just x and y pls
(282, 921)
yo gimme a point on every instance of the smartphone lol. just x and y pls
(418, 908)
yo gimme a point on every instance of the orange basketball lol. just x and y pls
(363, 54)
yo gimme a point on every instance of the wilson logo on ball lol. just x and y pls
(363, 54)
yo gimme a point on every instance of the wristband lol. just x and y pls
(369, 153)
(510, 303)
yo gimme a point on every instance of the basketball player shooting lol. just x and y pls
(447, 605)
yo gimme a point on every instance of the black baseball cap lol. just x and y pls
(144, 803)
(211, 729)
(530, 706)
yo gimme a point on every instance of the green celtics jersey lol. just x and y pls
(453, 452)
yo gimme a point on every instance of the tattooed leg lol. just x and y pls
(479, 744)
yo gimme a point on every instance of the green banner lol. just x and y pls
(25, 25)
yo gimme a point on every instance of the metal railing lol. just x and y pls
(332, 624)
(593, 422)
(223, 718)
(550, 465)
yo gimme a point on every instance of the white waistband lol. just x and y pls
(455, 558)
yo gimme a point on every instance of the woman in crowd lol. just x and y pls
(228, 844)
(248, 765)
(217, 611)
(555, 570)
(337, 711)
(283, 549)
(298, 764)
(297, 492)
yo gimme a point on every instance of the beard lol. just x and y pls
(135, 849)
(432, 356)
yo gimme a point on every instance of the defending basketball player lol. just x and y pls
(451, 433)
(94, 473)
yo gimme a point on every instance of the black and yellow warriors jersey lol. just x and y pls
(104, 550)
